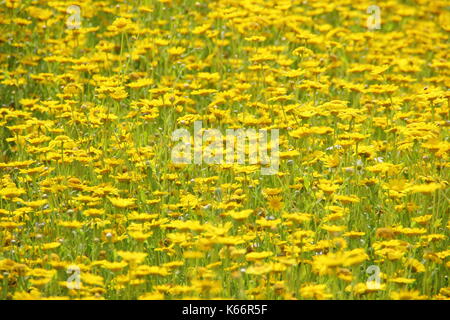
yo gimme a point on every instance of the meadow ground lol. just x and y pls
(93, 204)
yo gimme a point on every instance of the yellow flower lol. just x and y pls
(407, 295)
(94, 212)
(176, 51)
(139, 235)
(255, 256)
(318, 291)
(121, 24)
(334, 229)
(259, 269)
(51, 245)
(425, 188)
(402, 280)
(140, 83)
(145, 270)
(118, 94)
(123, 202)
(114, 266)
(275, 203)
(241, 215)
(11, 192)
(71, 224)
(151, 296)
(34, 294)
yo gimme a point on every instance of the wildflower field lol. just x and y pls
(93, 204)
